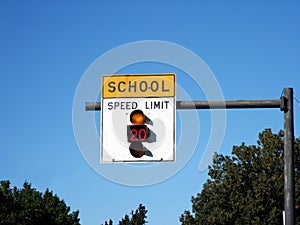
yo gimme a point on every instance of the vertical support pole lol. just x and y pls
(289, 172)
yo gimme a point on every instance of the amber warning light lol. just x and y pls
(137, 133)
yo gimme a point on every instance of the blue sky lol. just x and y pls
(252, 47)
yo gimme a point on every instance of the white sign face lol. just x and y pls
(138, 129)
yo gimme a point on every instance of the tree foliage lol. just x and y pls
(246, 188)
(28, 206)
(138, 217)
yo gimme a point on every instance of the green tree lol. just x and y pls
(29, 206)
(138, 217)
(246, 188)
(125, 221)
(109, 223)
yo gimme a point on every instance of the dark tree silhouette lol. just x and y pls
(246, 188)
(27, 206)
(138, 217)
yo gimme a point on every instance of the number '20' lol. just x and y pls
(140, 134)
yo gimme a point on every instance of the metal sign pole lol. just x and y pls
(233, 104)
(285, 103)
(289, 171)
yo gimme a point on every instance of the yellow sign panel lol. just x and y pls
(132, 86)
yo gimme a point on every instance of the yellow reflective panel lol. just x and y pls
(147, 85)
